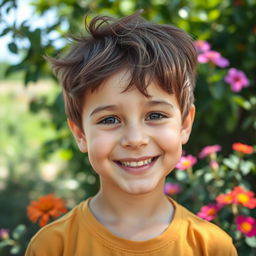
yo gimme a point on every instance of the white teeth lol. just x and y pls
(137, 164)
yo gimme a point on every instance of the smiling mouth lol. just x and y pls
(135, 164)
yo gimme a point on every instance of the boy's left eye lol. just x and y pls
(109, 120)
(155, 116)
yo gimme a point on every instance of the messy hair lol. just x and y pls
(151, 52)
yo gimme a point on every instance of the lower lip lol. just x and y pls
(138, 170)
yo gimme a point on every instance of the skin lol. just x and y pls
(128, 127)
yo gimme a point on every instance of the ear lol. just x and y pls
(187, 124)
(78, 135)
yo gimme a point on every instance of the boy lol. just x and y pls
(128, 91)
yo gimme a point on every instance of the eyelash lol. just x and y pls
(114, 118)
(104, 121)
(160, 116)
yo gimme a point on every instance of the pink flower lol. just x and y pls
(237, 79)
(4, 234)
(214, 57)
(202, 46)
(209, 150)
(246, 225)
(186, 162)
(209, 212)
(172, 188)
(214, 165)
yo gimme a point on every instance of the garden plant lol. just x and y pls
(216, 175)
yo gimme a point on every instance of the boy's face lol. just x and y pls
(132, 141)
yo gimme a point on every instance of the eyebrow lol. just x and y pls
(102, 108)
(113, 107)
(160, 102)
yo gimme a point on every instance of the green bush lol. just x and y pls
(38, 138)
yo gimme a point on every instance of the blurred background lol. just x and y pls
(38, 155)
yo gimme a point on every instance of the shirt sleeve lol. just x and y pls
(233, 251)
(45, 244)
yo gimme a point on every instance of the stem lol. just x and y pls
(190, 173)
(234, 209)
(214, 166)
(240, 157)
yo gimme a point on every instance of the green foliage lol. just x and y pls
(14, 242)
(27, 169)
(39, 135)
(202, 183)
(227, 25)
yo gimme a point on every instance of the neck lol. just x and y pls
(110, 206)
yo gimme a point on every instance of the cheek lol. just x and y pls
(100, 146)
(170, 141)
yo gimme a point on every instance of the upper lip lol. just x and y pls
(135, 159)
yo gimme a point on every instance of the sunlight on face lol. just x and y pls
(132, 141)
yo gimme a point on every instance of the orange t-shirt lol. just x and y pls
(79, 233)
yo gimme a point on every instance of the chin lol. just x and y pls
(140, 189)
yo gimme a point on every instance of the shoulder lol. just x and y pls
(50, 239)
(204, 234)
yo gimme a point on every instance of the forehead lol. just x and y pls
(113, 92)
(119, 83)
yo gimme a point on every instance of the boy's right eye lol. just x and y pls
(109, 120)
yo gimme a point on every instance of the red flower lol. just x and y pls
(238, 196)
(246, 198)
(246, 225)
(243, 148)
(225, 198)
(44, 208)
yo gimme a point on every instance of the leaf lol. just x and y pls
(251, 241)
(231, 162)
(66, 154)
(13, 69)
(199, 172)
(15, 249)
(214, 14)
(180, 175)
(18, 231)
(215, 77)
(208, 177)
(13, 47)
(5, 243)
(217, 90)
(5, 31)
(246, 167)
(241, 102)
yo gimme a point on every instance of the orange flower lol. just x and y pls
(246, 198)
(44, 208)
(225, 198)
(243, 148)
(238, 196)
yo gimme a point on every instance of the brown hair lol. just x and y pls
(162, 53)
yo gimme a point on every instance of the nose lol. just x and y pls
(134, 137)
